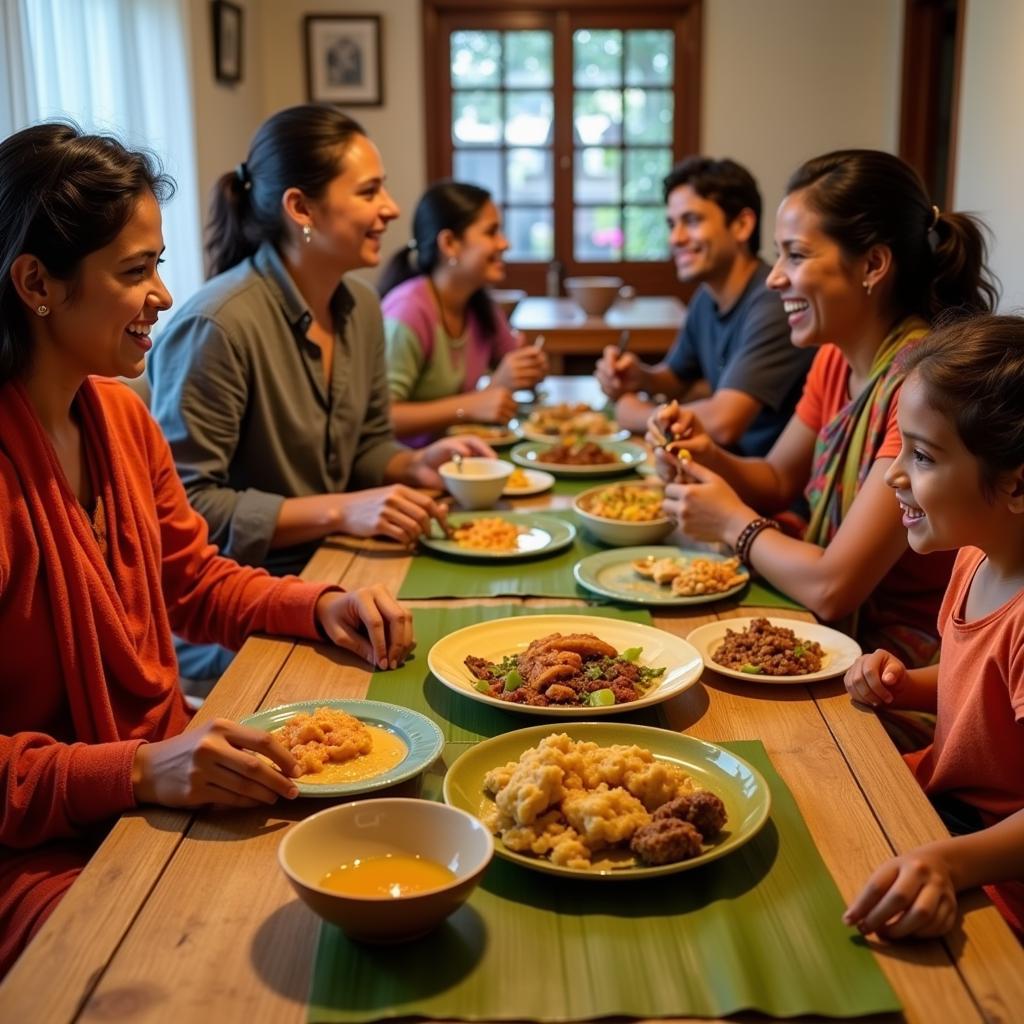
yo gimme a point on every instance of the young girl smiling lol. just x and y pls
(959, 479)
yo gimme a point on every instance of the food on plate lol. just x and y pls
(577, 453)
(629, 503)
(488, 533)
(481, 430)
(764, 649)
(333, 746)
(517, 480)
(570, 419)
(572, 670)
(587, 807)
(689, 577)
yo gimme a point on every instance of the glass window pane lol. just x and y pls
(528, 59)
(646, 235)
(597, 175)
(531, 234)
(529, 176)
(476, 59)
(648, 115)
(476, 118)
(528, 118)
(597, 117)
(480, 167)
(645, 171)
(649, 56)
(597, 57)
(598, 234)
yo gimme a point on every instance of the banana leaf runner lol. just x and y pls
(759, 930)
(433, 576)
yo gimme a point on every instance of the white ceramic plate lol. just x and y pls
(541, 536)
(840, 650)
(498, 637)
(530, 454)
(538, 482)
(530, 434)
(495, 435)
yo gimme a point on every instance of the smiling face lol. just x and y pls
(480, 250)
(704, 246)
(355, 210)
(937, 480)
(101, 319)
(822, 291)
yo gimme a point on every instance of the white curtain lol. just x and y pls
(118, 66)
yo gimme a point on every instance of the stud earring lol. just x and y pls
(307, 234)
(867, 286)
(452, 261)
(43, 310)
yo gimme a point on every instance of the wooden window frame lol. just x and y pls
(440, 17)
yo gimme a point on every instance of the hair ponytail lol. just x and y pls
(300, 147)
(399, 270)
(866, 197)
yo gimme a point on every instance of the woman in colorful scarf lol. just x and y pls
(865, 264)
(101, 555)
(443, 331)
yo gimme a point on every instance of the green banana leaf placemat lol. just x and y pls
(570, 486)
(759, 930)
(413, 686)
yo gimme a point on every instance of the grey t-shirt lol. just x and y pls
(239, 391)
(746, 349)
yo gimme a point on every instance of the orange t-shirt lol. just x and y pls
(911, 592)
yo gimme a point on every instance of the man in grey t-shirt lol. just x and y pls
(732, 362)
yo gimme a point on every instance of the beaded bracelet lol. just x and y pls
(748, 533)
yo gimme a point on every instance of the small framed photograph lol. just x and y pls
(227, 41)
(343, 59)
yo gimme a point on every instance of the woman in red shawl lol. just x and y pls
(101, 555)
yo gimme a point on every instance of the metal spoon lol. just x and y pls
(457, 459)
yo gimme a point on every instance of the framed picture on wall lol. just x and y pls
(227, 41)
(343, 59)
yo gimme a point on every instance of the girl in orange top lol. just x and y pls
(101, 555)
(959, 479)
(865, 264)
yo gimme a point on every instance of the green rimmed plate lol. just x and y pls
(542, 536)
(741, 787)
(628, 457)
(422, 738)
(611, 574)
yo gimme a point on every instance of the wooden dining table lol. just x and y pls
(186, 916)
(653, 321)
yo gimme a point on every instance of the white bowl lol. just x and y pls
(594, 295)
(323, 842)
(477, 482)
(620, 532)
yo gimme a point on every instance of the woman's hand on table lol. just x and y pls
(913, 894)
(395, 511)
(421, 470)
(369, 622)
(216, 763)
(523, 367)
(873, 678)
(489, 405)
(706, 507)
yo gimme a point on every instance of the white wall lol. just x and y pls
(990, 150)
(790, 79)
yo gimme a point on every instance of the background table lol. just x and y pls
(652, 322)
(185, 917)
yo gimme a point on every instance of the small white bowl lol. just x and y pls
(443, 834)
(594, 295)
(477, 482)
(620, 533)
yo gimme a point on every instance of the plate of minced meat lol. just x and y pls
(609, 800)
(565, 666)
(770, 650)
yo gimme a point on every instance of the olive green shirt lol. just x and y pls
(239, 391)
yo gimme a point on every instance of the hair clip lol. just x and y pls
(242, 174)
(933, 234)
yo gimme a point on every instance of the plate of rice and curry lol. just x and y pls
(573, 457)
(501, 536)
(565, 666)
(774, 651)
(347, 747)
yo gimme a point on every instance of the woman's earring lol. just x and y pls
(42, 310)
(307, 234)
(452, 261)
(867, 286)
